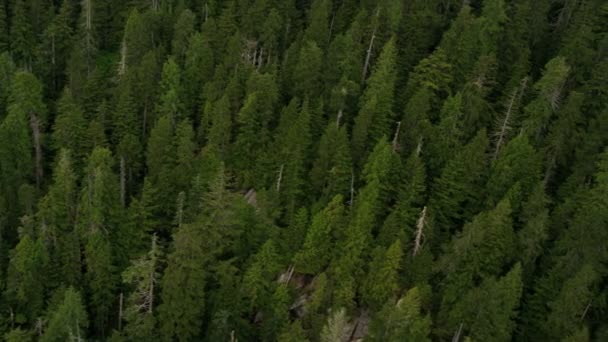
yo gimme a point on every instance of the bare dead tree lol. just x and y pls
(36, 136)
(280, 178)
(419, 146)
(419, 232)
(456, 337)
(505, 122)
(396, 137)
(123, 180)
(122, 66)
(369, 50)
(120, 304)
(352, 188)
(180, 208)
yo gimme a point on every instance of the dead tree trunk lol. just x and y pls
(35, 126)
(369, 50)
(120, 303)
(280, 178)
(396, 137)
(419, 232)
(505, 124)
(123, 180)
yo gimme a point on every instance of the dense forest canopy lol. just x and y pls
(304, 170)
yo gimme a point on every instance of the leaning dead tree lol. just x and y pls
(504, 124)
(418, 241)
(369, 49)
(396, 137)
(35, 126)
(280, 178)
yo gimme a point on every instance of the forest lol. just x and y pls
(304, 170)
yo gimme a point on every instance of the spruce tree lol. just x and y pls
(376, 114)
(317, 249)
(69, 320)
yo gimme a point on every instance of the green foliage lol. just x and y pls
(313, 170)
(403, 321)
(376, 114)
(69, 320)
(317, 249)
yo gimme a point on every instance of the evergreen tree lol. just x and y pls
(69, 128)
(488, 312)
(69, 320)
(403, 321)
(385, 265)
(57, 214)
(144, 276)
(317, 248)
(376, 114)
(25, 279)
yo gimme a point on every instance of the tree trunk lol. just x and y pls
(35, 125)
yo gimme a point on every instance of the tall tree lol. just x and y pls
(69, 320)
(376, 114)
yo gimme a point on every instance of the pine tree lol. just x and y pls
(376, 114)
(23, 35)
(69, 127)
(318, 26)
(4, 26)
(403, 321)
(21, 133)
(455, 194)
(198, 69)
(144, 276)
(482, 249)
(355, 245)
(170, 103)
(183, 30)
(337, 328)
(570, 307)
(549, 91)
(519, 163)
(331, 172)
(317, 249)
(385, 265)
(195, 246)
(25, 279)
(68, 321)
(307, 71)
(488, 312)
(259, 278)
(57, 214)
(55, 47)
(183, 285)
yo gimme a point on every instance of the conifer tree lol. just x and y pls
(69, 127)
(317, 249)
(170, 103)
(69, 320)
(488, 312)
(307, 71)
(144, 276)
(485, 245)
(455, 195)
(376, 114)
(403, 321)
(549, 91)
(57, 214)
(24, 37)
(55, 47)
(196, 244)
(25, 279)
(385, 265)
(331, 172)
